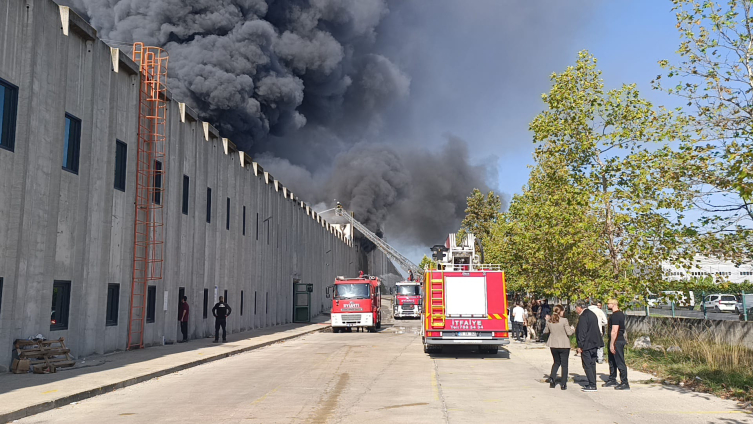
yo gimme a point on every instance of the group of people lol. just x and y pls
(589, 334)
(221, 311)
(529, 319)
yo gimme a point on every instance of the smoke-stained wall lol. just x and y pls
(59, 225)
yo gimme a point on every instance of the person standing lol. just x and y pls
(531, 318)
(220, 311)
(602, 323)
(589, 341)
(617, 342)
(559, 331)
(183, 318)
(518, 318)
(544, 313)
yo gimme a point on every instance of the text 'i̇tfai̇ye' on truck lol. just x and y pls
(356, 302)
(465, 302)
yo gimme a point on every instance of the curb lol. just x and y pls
(57, 403)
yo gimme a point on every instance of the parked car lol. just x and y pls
(748, 303)
(720, 302)
(679, 298)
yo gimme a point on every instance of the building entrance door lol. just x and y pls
(302, 301)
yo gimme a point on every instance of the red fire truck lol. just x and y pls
(408, 300)
(465, 303)
(356, 302)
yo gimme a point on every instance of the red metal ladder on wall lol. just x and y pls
(148, 237)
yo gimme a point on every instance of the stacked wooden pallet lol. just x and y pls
(42, 356)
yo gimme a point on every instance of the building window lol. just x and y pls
(206, 304)
(61, 302)
(209, 205)
(151, 303)
(254, 302)
(8, 106)
(157, 182)
(244, 220)
(241, 302)
(113, 302)
(227, 214)
(257, 227)
(267, 306)
(225, 297)
(1, 295)
(186, 181)
(121, 156)
(72, 143)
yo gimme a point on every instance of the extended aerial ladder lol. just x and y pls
(396, 257)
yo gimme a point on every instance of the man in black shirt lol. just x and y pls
(220, 311)
(617, 342)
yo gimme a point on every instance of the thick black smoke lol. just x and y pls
(256, 68)
(302, 86)
(414, 195)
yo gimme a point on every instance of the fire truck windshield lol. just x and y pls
(352, 291)
(407, 290)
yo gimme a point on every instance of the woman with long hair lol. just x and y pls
(559, 343)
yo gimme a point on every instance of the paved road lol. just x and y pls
(384, 377)
(725, 316)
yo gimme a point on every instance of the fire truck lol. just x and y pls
(356, 302)
(464, 301)
(407, 302)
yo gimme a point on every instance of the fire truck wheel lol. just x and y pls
(372, 329)
(335, 329)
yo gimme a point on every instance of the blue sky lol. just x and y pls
(628, 38)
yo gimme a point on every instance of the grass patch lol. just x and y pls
(704, 364)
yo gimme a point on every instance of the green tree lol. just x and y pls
(617, 148)
(427, 263)
(548, 241)
(480, 215)
(715, 76)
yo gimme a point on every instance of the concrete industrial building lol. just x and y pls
(69, 109)
(704, 266)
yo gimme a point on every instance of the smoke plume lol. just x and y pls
(305, 86)
(415, 195)
(256, 68)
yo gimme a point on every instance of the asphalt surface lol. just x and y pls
(364, 377)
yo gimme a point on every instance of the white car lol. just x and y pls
(748, 303)
(679, 298)
(720, 302)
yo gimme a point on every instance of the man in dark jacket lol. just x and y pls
(220, 311)
(589, 340)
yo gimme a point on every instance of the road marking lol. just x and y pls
(265, 396)
(434, 385)
(49, 391)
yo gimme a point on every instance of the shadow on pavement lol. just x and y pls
(468, 352)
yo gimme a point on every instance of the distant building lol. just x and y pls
(704, 266)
